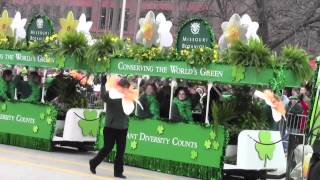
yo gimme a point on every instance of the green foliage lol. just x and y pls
(200, 57)
(74, 44)
(240, 113)
(44, 47)
(297, 60)
(101, 52)
(238, 72)
(10, 43)
(279, 80)
(254, 53)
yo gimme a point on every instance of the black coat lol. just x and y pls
(115, 116)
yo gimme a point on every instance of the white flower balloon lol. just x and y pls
(252, 27)
(148, 32)
(165, 37)
(84, 27)
(233, 30)
(17, 26)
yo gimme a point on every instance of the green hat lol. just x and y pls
(294, 98)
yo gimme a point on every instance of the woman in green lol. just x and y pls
(149, 103)
(181, 107)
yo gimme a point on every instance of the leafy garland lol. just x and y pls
(3, 89)
(35, 93)
(184, 108)
(153, 106)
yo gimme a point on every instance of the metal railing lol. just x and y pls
(294, 123)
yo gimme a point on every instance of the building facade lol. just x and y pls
(106, 14)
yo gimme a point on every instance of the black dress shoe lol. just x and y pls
(120, 176)
(92, 168)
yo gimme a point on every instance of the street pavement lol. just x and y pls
(63, 164)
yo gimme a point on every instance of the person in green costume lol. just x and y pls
(6, 86)
(29, 91)
(181, 107)
(149, 103)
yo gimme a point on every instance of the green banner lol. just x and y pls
(27, 119)
(214, 72)
(221, 73)
(180, 142)
(26, 58)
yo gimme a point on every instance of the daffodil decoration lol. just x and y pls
(233, 31)
(5, 22)
(67, 24)
(148, 32)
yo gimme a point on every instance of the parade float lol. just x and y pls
(195, 150)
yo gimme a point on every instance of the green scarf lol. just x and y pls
(35, 93)
(153, 106)
(184, 108)
(3, 89)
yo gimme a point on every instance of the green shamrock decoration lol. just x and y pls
(42, 116)
(133, 145)
(35, 129)
(212, 135)
(49, 120)
(90, 124)
(194, 154)
(160, 129)
(238, 72)
(3, 107)
(265, 151)
(48, 111)
(207, 144)
(60, 61)
(215, 145)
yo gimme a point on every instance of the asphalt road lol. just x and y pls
(63, 164)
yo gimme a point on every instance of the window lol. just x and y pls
(47, 11)
(126, 20)
(35, 10)
(110, 18)
(103, 15)
(88, 13)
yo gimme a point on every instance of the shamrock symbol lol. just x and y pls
(265, 151)
(207, 144)
(215, 145)
(42, 116)
(212, 135)
(133, 145)
(194, 154)
(49, 120)
(3, 107)
(35, 129)
(90, 123)
(48, 111)
(160, 129)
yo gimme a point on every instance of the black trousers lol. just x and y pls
(111, 137)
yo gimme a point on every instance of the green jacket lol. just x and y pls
(115, 117)
(150, 107)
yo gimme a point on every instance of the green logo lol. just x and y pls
(90, 123)
(39, 28)
(195, 33)
(265, 147)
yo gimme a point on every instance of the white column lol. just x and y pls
(208, 102)
(123, 13)
(173, 84)
(138, 88)
(43, 85)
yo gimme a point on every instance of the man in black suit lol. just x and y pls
(115, 130)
